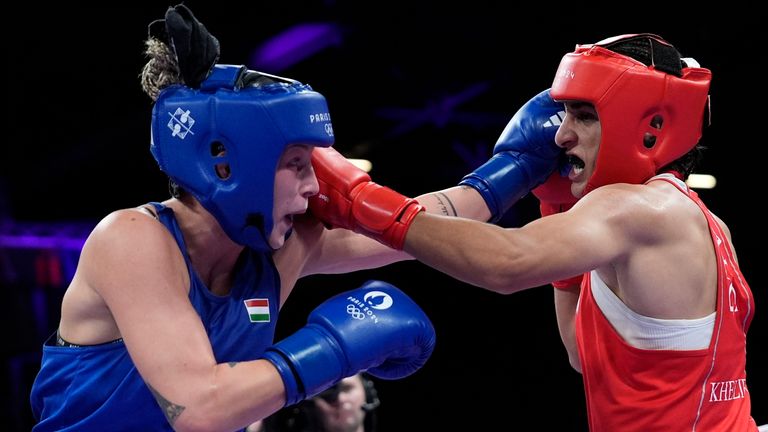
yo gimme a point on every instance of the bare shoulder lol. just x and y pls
(128, 258)
(615, 203)
(129, 231)
(645, 213)
(127, 243)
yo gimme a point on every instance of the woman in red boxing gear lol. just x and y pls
(660, 328)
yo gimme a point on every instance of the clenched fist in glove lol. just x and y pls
(375, 328)
(349, 199)
(524, 156)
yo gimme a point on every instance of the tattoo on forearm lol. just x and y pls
(444, 208)
(170, 409)
(232, 364)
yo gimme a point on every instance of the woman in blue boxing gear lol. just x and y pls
(168, 323)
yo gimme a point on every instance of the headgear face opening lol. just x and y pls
(649, 117)
(242, 120)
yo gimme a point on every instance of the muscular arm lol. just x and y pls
(461, 201)
(341, 251)
(590, 235)
(135, 266)
(524, 155)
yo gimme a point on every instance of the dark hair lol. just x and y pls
(687, 163)
(649, 50)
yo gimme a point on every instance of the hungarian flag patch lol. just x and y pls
(258, 309)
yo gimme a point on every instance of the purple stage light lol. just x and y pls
(69, 236)
(294, 45)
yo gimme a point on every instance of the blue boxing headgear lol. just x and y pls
(242, 119)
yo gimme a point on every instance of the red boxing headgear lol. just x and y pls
(649, 117)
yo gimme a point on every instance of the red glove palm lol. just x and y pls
(555, 197)
(349, 199)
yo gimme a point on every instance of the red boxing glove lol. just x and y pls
(555, 197)
(349, 199)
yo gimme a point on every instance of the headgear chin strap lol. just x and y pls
(649, 117)
(222, 142)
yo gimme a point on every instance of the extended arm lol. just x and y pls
(342, 251)
(524, 155)
(508, 260)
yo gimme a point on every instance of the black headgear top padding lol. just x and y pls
(196, 49)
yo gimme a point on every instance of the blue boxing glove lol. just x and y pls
(524, 156)
(375, 328)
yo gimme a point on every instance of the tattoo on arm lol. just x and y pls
(170, 409)
(444, 209)
(232, 364)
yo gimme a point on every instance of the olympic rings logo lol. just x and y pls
(355, 312)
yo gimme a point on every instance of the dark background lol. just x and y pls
(420, 88)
